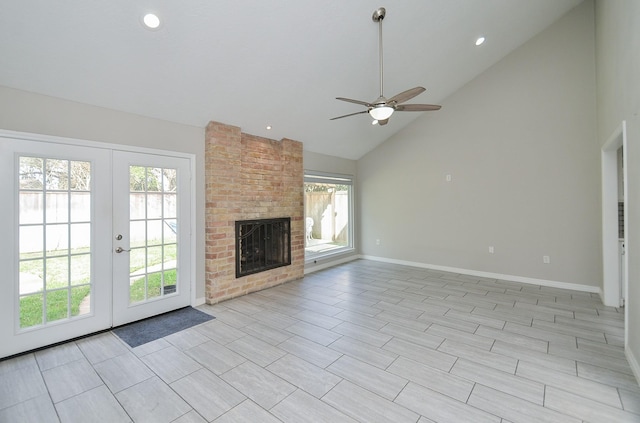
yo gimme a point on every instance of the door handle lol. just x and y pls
(121, 250)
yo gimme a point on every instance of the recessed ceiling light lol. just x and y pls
(268, 127)
(480, 41)
(151, 21)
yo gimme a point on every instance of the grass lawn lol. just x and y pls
(59, 268)
(137, 291)
(31, 306)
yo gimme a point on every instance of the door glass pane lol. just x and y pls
(155, 284)
(31, 207)
(154, 206)
(154, 179)
(154, 232)
(169, 281)
(57, 174)
(57, 207)
(57, 270)
(137, 288)
(153, 227)
(80, 300)
(31, 310)
(32, 239)
(170, 231)
(137, 209)
(57, 303)
(137, 261)
(57, 239)
(170, 256)
(31, 276)
(170, 180)
(137, 178)
(53, 193)
(154, 258)
(80, 176)
(80, 237)
(31, 173)
(79, 268)
(80, 207)
(137, 233)
(170, 206)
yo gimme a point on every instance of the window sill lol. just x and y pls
(313, 258)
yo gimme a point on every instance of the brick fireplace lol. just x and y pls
(249, 177)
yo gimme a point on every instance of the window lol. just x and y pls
(328, 212)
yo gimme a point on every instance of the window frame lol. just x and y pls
(312, 176)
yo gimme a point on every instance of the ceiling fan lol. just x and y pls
(382, 108)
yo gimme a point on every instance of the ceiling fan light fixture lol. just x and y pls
(381, 112)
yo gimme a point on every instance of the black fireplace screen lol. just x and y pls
(262, 245)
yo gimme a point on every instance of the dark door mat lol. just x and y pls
(147, 330)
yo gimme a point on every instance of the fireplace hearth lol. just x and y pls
(262, 244)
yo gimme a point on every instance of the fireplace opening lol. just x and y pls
(262, 244)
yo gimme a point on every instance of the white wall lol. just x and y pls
(519, 142)
(28, 112)
(618, 87)
(329, 164)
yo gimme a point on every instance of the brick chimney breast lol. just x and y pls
(249, 177)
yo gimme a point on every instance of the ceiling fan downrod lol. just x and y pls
(378, 16)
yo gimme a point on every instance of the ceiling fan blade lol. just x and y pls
(407, 95)
(417, 107)
(350, 114)
(383, 122)
(364, 103)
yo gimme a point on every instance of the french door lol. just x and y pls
(151, 235)
(93, 238)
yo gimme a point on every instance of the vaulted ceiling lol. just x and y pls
(259, 63)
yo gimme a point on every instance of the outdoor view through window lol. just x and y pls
(328, 214)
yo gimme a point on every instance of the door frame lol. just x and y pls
(135, 149)
(610, 249)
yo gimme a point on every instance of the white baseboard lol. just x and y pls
(514, 278)
(635, 367)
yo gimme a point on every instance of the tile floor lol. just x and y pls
(364, 341)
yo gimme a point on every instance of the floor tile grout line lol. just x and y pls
(539, 301)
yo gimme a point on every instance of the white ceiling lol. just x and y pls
(253, 63)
